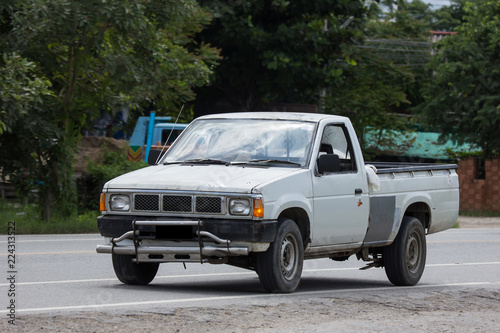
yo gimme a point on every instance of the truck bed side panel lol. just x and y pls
(436, 189)
(382, 220)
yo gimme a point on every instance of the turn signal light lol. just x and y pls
(102, 202)
(258, 208)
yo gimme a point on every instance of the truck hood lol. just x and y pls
(204, 178)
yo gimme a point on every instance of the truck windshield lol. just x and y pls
(241, 141)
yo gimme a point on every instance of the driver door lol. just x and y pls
(341, 202)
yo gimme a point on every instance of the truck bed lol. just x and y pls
(433, 185)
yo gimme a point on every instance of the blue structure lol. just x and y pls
(151, 131)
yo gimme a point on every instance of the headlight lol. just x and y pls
(119, 202)
(239, 207)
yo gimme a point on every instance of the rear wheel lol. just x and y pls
(280, 267)
(130, 272)
(404, 259)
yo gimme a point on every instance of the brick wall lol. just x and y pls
(479, 194)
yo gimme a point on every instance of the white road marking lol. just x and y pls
(184, 276)
(18, 240)
(220, 298)
(464, 264)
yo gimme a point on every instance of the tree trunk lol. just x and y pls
(47, 204)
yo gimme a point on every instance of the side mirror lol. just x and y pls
(328, 163)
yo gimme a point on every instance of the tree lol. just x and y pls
(28, 137)
(21, 90)
(377, 94)
(403, 19)
(370, 94)
(276, 51)
(463, 100)
(96, 54)
(447, 18)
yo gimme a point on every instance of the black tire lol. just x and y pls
(404, 259)
(280, 267)
(129, 272)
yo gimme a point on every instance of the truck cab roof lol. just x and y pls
(311, 117)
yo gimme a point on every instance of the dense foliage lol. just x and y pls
(277, 51)
(463, 99)
(64, 61)
(379, 91)
(69, 59)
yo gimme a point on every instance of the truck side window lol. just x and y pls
(335, 140)
(166, 132)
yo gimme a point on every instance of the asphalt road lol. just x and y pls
(60, 274)
(63, 272)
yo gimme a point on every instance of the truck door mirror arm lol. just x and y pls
(328, 163)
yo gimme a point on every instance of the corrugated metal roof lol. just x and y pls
(416, 144)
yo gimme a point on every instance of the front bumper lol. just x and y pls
(183, 229)
(152, 239)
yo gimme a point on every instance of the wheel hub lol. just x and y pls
(413, 252)
(288, 257)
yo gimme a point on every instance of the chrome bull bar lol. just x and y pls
(172, 253)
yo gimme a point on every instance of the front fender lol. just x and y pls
(290, 191)
(292, 200)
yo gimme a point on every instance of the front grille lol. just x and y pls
(147, 202)
(177, 203)
(211, 205)
(184, 203)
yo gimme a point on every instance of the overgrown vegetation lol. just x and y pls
(28, 221)
(26, 214)
(61, 62)
(98, 173)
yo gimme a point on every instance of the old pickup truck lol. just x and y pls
(265, 191)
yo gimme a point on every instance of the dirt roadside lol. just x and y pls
(448, 310)
(479, 222)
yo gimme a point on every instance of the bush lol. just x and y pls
(27, 220)
(98, 173)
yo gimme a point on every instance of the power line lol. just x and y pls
(391, 49)
(397, 41)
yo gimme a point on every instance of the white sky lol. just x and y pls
(436, 4)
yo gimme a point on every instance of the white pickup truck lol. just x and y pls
(264, 191)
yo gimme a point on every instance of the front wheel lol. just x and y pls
(404, 259)
(130, 272)
(280, 267)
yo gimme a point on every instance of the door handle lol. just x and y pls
(358, 191)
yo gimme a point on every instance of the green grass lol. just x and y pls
(28, 221)
(480, 213)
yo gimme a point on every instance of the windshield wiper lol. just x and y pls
(174, 162)
(264, 161)
(205, 161)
